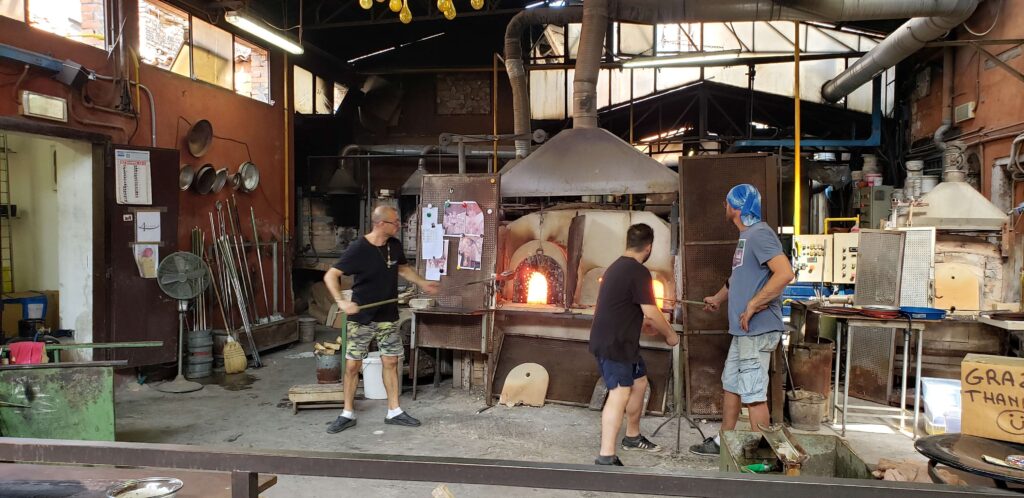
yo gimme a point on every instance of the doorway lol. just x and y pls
(51, 186)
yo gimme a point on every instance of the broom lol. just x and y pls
(234, 355)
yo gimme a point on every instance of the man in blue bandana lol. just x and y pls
(760, 272)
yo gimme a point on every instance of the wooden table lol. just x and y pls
(60, 481)
(908, 327)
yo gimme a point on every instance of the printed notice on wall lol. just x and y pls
(146, 257)
(132, 180)
(147, 226)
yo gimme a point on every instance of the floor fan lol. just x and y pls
(182, 276)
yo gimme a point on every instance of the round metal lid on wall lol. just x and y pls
(199, 138)
(220, 181)
(249, 177)
(204, 180)
(185, 177)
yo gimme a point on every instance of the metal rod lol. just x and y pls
(466, 471)
(259, 258)
(275, 270)
(241, 306)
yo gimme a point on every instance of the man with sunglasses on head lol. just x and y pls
(375, 261)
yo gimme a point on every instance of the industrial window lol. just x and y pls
(14, 9)
(79, 20)
(323, 97)
(252, 71)
(171, 39)
(339, 94)
(302, 83)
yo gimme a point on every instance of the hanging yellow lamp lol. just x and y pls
(395, 6)
(405, 15)
(366, 4)
(476, 4)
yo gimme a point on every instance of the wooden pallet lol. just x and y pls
(309, 396)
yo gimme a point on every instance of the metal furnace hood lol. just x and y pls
(955, 205)
(586, 161)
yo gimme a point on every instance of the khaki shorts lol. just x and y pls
(746, 367)
(387, 334)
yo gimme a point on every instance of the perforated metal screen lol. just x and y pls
(871, 363)
(918, 260)
(879, 268)
(458, 289)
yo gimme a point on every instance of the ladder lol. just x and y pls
(6, 215)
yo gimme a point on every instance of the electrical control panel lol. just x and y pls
(874, 205)
(844, 257)
(812, 258)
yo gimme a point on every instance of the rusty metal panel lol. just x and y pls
(705, 359)
(457, 290)
(573, 369)
(705, 180)
(708, 240)
(448, 331)
(707, 269)
(871, 367)
(575, 251)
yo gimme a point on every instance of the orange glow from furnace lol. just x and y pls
(659, 293)
(537, 289)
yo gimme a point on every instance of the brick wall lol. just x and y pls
(92, 22)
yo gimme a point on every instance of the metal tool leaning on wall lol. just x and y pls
(760, 272)
(375, 261)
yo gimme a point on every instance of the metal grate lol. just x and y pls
(879, 268)
(449, 331)
(871, 363)
(918, 261)
(705, 360)
(462, 289)
(707, 271)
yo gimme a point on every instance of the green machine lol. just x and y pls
(61, 400)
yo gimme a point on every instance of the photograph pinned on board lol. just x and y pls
(471, 250)
(437, 267)
(454, 218)
(474, 219)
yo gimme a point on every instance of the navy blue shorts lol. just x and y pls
(620, 374)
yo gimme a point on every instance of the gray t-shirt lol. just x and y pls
(757, 244)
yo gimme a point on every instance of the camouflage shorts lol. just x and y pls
(387, 334)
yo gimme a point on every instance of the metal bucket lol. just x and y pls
(805, 409)
(812, 370)
(328, 368)
(307, 329)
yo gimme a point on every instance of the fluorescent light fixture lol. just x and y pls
(265, 33)
(693, 58)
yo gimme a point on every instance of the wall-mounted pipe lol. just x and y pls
(152, 105)
(909, 38)
(588, 64)
(947, 99)
(949, 13)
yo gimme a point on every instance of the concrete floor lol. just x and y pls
(251, 410)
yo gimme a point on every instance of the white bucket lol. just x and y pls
(373, 377)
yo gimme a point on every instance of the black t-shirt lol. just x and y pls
(615, 334)
(375, 271)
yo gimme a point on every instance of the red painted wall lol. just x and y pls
(263, 127)
(999, 112)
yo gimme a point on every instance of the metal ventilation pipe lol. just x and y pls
(909, 38)
(947, 99)
(517, 71)
(588, 64)
(949, 13)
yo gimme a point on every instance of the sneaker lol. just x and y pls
(403, 419)
(340, 424)
(608, 460)
(708, 448)
(639, 443)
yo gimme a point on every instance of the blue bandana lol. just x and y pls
(745, 198)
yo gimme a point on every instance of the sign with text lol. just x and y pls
(992, 392)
